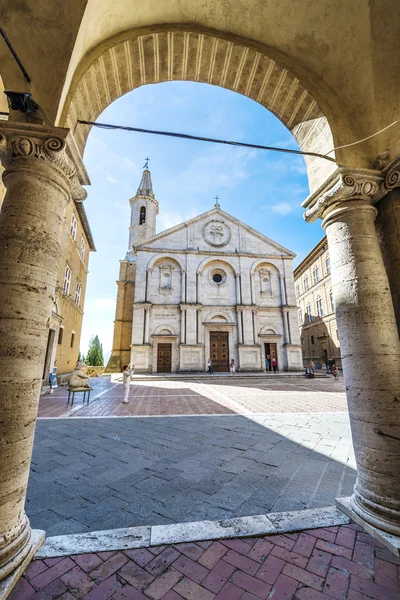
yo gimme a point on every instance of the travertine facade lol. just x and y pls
(66, 319)
(210, 287)
(316, 308)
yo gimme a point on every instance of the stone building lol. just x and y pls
(209, 287)
(67, 314)
(330, 76)
(316, 307)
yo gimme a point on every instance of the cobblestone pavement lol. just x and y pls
(212, 395)
(90, 474)
(321, 564)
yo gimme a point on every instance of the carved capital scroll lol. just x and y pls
(344, 185)
(45, 144)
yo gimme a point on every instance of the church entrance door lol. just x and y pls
(271, 354)
(164, 354)
(219, 350)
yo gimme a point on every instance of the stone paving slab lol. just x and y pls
(104, 473)
(341, 563)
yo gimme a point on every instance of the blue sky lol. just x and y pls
(262, 189)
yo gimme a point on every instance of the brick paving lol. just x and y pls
(213, 395)
(103, 473)
(322, 564)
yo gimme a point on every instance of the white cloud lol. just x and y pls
(111, 179)
(170, 219)
(283, 208)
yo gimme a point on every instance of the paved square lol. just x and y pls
(333, 563)
(200, 449)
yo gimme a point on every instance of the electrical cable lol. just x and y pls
(15, 55)
(186, 136)
(364, 139)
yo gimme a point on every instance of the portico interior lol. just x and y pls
(330, 75)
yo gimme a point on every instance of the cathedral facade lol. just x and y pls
(211, 287)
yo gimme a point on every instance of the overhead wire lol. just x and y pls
(187, 136)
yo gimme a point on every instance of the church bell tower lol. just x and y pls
(144, 211)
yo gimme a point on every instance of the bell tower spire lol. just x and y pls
(144, 210)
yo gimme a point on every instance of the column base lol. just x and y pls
(392, 542)
(7, 584)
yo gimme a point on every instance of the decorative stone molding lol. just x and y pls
(45, 144)
(392, 174)
(342, 186)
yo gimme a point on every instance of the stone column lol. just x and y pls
(182, 325)
(39, 178)
(147, 327)
(239, 324)
(368, 338)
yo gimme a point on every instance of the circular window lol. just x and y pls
(218, 276)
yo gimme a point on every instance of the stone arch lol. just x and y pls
(163, 257)
(164, 330)
(263, 262)
(267, 330)
(147, 57)
(218, 262)
(217, 313)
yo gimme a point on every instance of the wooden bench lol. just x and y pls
(74, 391)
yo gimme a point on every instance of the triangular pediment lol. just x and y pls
(218, 232)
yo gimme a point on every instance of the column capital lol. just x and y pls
(391, 171)
(342, 186)
(19, 141)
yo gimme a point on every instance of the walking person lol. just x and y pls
(312, 366)
(126, 378)
(274, 364)
(267, 364)
(232, 367)
(335, 372)
(210, 367)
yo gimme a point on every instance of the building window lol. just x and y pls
(74, 225)
(300, 315)
(332, 301)
(67, 280)
(72, 339)
(142, 217)
(309, 313)
(82, 248)
(315, 275)
(320, 310)
(306, 283)
(60, 335)
(297, 290)
(78, 293)
(328, 264)
(312, 339)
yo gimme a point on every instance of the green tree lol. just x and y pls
(94, 356)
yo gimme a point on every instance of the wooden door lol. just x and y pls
(219, 350)
(164, 358)
(271, 353)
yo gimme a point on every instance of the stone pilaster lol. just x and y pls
(40, 180)
(368, 336)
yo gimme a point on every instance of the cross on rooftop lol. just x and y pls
(146, 164)
(217, 205)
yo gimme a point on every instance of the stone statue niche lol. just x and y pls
(78, 379)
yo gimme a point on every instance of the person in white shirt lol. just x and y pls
(126, 377)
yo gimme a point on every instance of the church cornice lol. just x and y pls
(213, 253)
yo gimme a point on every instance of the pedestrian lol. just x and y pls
(274, 364)
(266, 364)
(210, 367)
(335, 372)
(232, 367)
(312, 365)
(126, 378)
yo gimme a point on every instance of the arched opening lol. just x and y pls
(118, 67)
(142, 216)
